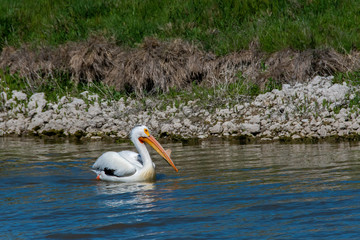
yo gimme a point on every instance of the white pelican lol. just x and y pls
(127, 166)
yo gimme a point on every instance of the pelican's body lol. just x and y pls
(127, 166)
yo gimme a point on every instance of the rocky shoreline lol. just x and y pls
(315, 110)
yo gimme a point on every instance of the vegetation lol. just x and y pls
(56, 88)
(54, 46)
(352, 78)
(218, 26)
(158, 66)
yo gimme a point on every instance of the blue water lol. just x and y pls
(222, 191)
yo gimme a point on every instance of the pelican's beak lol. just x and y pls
(156, 145)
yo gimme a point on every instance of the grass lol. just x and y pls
(228, 94)
(57, 87)
(209, 97)
(218, 26)
(352, 79)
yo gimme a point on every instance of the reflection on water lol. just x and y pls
(121, 188)
(141, 195)
(222, 189)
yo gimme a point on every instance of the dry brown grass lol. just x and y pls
(158, 65)
(290, 66)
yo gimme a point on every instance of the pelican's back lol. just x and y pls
(114, 163)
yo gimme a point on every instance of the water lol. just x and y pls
(222, 191)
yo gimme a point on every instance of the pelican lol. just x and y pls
(128, 166)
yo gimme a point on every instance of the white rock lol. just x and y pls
(37, 102)
(64, 100)
(251, 128)
(265, 139)
(85, 93)
(154, 123)
(18, 95)
(45, 116)
(334, 94)
(229, 127)
(94, 110)
(36, 122)
(343, 132)
(322, 131)
(187, 122)
(295, 136)
(239, 107)
(355, 126)
(216, 129)
(255, 119)
(76, 103)
(96, 122)
(202, 136)
(193, 128)
(166, 128)
(16, 126)
(266, 133)
(176, 120)
(305, 121)
(275, 127)
(177, 125)
(258, 103)
(160, 114)
(54, 124)
(171, 109)
(316, 81)
(224, 112)
(96, 137)
(297, 128)
(342, 125)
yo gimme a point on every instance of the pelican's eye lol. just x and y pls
(146, 132)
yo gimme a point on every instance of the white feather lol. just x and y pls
(116, 162)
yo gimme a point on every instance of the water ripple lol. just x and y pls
(222, 190)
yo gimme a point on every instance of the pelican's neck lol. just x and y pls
(144, 153)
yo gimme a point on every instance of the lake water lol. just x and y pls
(222, 191)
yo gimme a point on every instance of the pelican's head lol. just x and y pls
(141, 133)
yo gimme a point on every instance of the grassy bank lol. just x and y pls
(166, 48)
(220, 95)
(218, 26)
(56, 88)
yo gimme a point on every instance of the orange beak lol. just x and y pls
(156, 145)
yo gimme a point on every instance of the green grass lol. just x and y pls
(57, 87)
(218, 26)
(209, 97)
(350, 78)
(225, 94)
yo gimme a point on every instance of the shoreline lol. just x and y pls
(318, 110)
